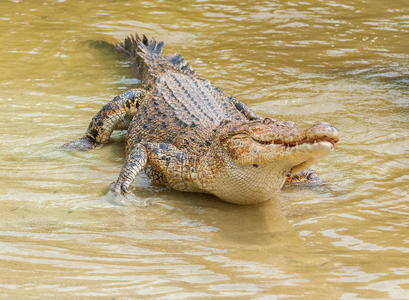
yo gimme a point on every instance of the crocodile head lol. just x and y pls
(250, 160)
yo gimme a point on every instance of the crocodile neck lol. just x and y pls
(252, 184)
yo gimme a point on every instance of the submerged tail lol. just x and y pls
(146, 56)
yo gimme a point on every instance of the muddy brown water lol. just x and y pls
(344, 62)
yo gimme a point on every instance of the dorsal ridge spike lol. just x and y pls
(145, 40)
(152, 46)
(159, 48)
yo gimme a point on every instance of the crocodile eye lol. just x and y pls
(268, 121)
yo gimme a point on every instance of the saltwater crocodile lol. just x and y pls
(190, 136)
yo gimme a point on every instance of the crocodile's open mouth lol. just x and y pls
(294, 144)
(304, 155)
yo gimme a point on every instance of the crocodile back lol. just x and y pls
(183, 110)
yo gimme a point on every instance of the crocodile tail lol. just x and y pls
(143, 54)
(134, 46)
(147, 56)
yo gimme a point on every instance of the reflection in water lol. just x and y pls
(339, 61)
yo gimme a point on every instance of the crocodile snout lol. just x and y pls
(322, 132)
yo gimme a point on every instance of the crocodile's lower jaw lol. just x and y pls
(316, 151)
(249, 184)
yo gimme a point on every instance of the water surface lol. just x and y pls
(344, 62)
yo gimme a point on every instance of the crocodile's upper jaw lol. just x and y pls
(250, 170)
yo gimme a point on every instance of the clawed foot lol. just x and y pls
(119, 187)
(305, 177)
(119, 196)
(82, 144)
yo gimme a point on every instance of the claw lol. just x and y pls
(116, 188)
(125, 189)
(119, 188)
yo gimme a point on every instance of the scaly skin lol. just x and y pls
(190, 136)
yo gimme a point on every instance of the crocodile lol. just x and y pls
(186, 134)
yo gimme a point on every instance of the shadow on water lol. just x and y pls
(252, 225)
(235, 226)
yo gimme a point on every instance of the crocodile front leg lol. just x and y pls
(167, 164)
(135, 162)
(115, 115)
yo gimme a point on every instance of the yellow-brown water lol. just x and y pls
(345, 62)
